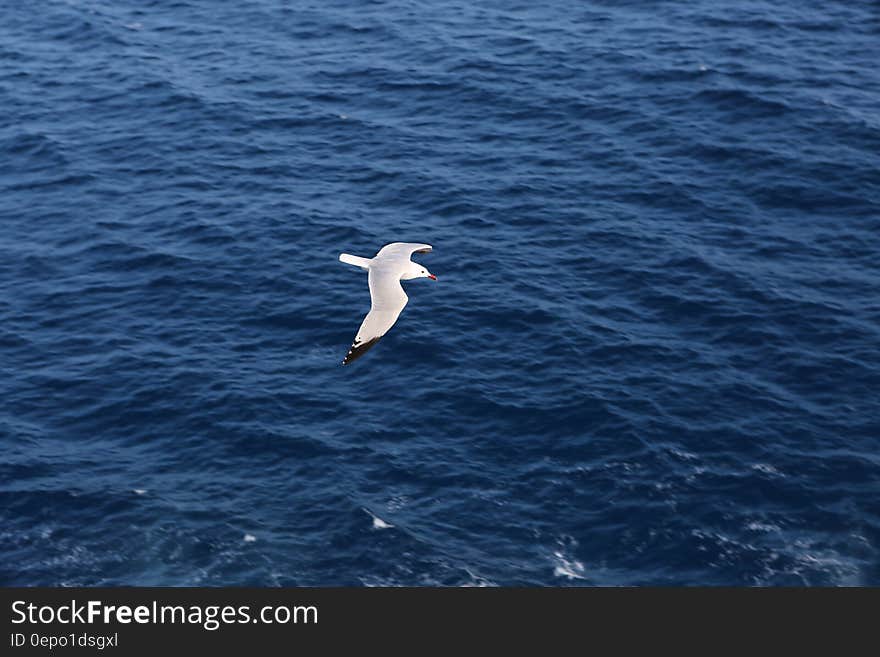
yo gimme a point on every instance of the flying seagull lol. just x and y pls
(385, 271)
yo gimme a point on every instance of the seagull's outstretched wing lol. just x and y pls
(388, 300)
(402, 249)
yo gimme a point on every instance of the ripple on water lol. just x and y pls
(650, 356)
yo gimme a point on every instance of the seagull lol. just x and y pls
(385, 271)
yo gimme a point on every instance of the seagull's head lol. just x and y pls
(416, 270)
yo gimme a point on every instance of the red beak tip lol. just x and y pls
(432, 277)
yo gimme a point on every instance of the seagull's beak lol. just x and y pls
(432, 277)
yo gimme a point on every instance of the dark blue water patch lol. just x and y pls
(650, 356)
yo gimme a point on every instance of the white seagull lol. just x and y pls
(385, 271)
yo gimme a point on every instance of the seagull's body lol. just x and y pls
(385, 271)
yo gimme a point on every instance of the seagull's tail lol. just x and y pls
(363, 263)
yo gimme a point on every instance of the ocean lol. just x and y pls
(651, 357)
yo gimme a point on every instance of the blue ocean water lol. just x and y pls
(652, 355)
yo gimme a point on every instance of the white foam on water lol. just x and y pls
(249, 538)
(476, 581)
(572, 569)
(378, 523)
(684, 455)
(139, 491)
(766, 468)
(757, 526)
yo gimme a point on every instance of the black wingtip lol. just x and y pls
(358, 350)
